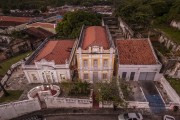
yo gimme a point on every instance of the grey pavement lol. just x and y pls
(62, 113)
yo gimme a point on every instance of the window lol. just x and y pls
(104, 76)
(105, 63)
(95, 63)
(124, 75)
(86, 76)
(95, 49)
(62, 76)
(132, 75)
(34, 77)
(85, 63)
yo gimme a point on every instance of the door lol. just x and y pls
(95, 76)
(147, 75)
(132, 75)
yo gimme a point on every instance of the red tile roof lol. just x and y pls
(57, 50)
(15, 19)
(43, 25)
(95, 36)
(135, 52)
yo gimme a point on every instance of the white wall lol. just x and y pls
(47, 68)
(15, 109)
(137, 69)
(57, 102)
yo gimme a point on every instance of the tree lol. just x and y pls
(72, 23)
(109, 92)
(43, 9)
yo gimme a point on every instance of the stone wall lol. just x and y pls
(169, 44)
(175, 24)
(170, 91)
(15, 109)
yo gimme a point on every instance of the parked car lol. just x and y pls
(130, 116)
(168, 117)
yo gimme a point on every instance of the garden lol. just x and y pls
(175, 84)
(4, 66)
(75, 89)
(13, 96)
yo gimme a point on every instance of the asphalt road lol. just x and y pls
(83, 117)
(99, 117)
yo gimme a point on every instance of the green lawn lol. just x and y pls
(172, 33)
(175, 83)
(6, 64)
(14, 95)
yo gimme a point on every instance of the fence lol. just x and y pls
(15, 109)
(9, 72)
(130, 104)
(57, 102)
(170, 91)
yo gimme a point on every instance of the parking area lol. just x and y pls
(153, 97)
(138, 94)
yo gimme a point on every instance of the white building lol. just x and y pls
(137, 60)
(51, 63)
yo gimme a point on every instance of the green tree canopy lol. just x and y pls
(72, 23)
(109, 92)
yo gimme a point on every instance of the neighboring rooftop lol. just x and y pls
(6, 21)
(135, 52)
(57, 50)
(43, 25)
(95, 36)
(38, 32)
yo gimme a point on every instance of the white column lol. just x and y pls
(27, 76)
(40, 76)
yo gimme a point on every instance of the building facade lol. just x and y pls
(52, 63)
(137, 60)
(93, 57)
(95, 54)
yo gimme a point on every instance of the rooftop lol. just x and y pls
(135, 52)
(15, 19)
(38, 32)
(57, 50)
(43, 25)
(95, 36)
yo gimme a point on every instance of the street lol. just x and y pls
(83, 117)
(99, 117)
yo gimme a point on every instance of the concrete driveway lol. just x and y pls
(153, 97)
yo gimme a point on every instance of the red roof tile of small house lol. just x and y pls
(43, 25)
(15, 19)
(95, 36)
(57, 50)
(135, 52)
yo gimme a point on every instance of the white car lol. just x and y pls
(168, 117)
(130, 116)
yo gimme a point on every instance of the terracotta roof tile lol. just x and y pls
(43, 25)
(57, 50)
(95, 36)
(135, 52)
(15, 19)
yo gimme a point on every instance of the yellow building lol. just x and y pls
(95, 54)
